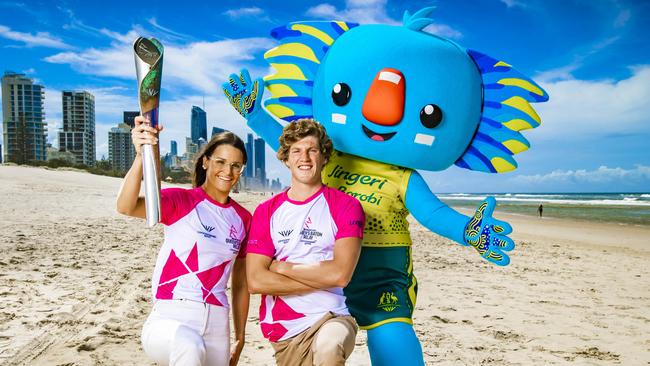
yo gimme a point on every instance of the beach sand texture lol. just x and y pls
(75, 285)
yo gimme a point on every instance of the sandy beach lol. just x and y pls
(75, 279)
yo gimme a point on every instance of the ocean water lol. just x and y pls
(629, 208)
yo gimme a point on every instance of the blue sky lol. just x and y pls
(592, 57)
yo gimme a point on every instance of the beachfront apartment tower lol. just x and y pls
(24, 128)
(199, 124)
(78, 133)
(121, 151)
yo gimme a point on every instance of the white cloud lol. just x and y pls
(587, 108)
(201, 66)
(372, 12)
(40, 39)
(622, 18)
(365, 11)
(168, 32)
(244, 12)
(443, 30)
(602, 175)
(513, 3)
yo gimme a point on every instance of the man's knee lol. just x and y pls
(188, 348)
(334, 342)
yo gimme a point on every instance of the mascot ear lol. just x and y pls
(507, 95)
(296, 60)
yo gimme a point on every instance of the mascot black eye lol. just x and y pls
(341, 94)
(430, 115)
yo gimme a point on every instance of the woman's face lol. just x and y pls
(223, 168)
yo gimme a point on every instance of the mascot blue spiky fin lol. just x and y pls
(296, 60)
(507, 95)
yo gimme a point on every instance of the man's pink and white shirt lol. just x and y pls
(202, 239)
(302, 232)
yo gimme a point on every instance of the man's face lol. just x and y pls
(305, 161)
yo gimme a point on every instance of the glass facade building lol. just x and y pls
(199, 124)
(23, 119)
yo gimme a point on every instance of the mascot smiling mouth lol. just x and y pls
(377, 136)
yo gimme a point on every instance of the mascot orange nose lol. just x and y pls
(384, 103)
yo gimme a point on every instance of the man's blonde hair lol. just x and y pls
(298, 130)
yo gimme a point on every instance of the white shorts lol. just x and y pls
(185, 332)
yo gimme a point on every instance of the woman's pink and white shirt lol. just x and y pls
(302, 232)
(202, 239)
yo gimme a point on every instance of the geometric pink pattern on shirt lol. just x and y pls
(211, 299)
(282, 311)
(211, 276)
(208, 297)
(274, 332)
(192, 260)
(166, 291)
(263, 308)
(173, 268)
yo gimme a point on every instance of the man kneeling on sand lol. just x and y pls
(303, 247)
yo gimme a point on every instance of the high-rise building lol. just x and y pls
(191, 148)
(199, 125)
(174, 148)
(216, 130)
(129, 117)
(78, 133)
(260, 162)
(250, 167)
(23, 119)
(121, 151)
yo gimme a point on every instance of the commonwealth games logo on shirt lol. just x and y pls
(233, 240)
(308, 235)
(208, 229)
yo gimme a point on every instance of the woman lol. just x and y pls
(205, 237)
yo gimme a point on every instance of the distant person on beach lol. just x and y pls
(540, 209)
(303, 248)
(205, 240)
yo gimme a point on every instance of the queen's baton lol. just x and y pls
(148, 67)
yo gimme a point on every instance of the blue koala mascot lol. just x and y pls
(395, 99)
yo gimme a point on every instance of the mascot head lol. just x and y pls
(402, 96)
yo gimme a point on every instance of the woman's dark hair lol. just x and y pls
(223, 138)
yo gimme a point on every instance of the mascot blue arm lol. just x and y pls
(486, 234)
(433, 213)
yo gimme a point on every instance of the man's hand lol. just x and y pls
(244, 94)
(488, 235)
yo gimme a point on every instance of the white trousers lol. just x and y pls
(184, 332)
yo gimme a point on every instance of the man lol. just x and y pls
(303, 247)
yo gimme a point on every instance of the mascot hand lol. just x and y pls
(489, 235)
(243, 94)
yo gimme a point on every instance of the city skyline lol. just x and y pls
(24, 126)
(592, 59)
